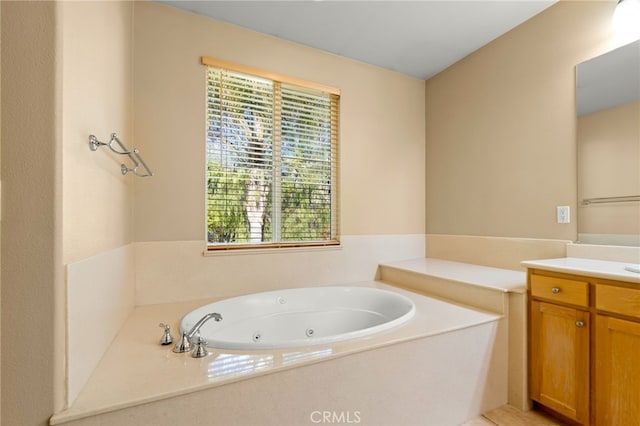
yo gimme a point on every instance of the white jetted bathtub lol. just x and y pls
(300, 317)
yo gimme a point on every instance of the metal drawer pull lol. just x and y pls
(580, 324)
(555, 290)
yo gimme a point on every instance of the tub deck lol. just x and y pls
(137, 370)
(479, 286)
(498, 290)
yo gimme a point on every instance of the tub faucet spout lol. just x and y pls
(216, 316)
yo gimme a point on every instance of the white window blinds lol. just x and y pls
(271, 162)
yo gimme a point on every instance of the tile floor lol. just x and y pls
(510, 416)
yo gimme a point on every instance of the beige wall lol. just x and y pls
(501, 127)
(609, 166)
(382, 125)
(500, 147)
(32, 273)
(96, 99)
(66, 73)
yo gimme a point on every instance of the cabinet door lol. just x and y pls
(617, 384)
(560, 359)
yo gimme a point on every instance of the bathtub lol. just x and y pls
(445, 365)
(300, 317)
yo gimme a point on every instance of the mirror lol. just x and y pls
(608, 147)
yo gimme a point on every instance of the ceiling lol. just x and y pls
(417, 38)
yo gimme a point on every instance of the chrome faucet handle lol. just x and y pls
(183, 345)
(166, 338)
(201, 349)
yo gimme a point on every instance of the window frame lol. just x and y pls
(335, 198)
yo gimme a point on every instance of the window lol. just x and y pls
(272, 145)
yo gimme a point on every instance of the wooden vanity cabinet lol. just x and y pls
(584, 347)
(559, 345)
(617, 355)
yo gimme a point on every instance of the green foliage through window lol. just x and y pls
(271, 161)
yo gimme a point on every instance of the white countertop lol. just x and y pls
(136, 369)
(504, 280)
(594, 268)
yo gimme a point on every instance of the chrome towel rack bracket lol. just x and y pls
(120, 149)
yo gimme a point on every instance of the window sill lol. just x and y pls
(230, 251)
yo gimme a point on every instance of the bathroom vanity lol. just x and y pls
(584, 339)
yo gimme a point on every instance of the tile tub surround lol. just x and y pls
(100, 297)
(102, 290)
(137, 370)
(173, 271)
(498, 252)
(504, 280)
(474, 285)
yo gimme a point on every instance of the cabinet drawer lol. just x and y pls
(560, 290)
(618, 300)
